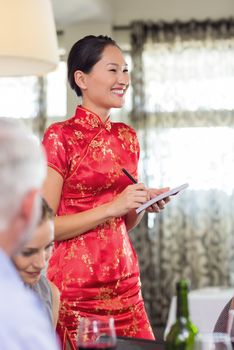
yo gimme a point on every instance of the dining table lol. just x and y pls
(124, 343)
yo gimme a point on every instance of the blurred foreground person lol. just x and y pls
(24, 325)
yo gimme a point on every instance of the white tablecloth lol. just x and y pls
(205, 306)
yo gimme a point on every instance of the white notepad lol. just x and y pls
(161, 196)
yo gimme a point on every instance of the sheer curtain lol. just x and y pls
(183, 109)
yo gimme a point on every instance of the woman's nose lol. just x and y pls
(123, 78)
(40, 261)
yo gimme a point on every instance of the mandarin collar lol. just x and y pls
(92, 119)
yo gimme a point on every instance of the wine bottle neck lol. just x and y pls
(182, 304)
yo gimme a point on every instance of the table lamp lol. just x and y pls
(28, 41)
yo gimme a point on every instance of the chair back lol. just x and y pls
(68, 343)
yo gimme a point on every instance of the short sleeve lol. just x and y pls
(137, 149)
(130, 145)
(55, 148)
(136, 144)
(134, 147)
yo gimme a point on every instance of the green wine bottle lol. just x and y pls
(182, 333)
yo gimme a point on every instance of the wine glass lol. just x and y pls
(212, 341)
(96, 333)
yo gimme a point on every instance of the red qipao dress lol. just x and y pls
(97, 272)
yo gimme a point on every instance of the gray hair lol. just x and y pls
(22, 167)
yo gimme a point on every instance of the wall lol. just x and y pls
(170, 10)
(125, 11)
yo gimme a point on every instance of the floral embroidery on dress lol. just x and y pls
(97, 272)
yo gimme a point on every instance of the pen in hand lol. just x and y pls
(129, 176)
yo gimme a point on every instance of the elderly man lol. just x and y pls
(23, 323)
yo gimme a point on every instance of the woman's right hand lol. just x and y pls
(130, 198)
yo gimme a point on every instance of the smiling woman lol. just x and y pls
(32, 259)
(94, 264)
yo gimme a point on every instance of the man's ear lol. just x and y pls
(20, 222)
(27, 205)
(80, 79)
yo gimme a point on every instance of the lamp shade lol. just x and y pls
(28, 41)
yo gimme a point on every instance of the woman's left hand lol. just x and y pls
(158, 206)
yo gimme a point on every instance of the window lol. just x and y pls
(189, 104)
(57, 91)
(189, 79)
(20, 96)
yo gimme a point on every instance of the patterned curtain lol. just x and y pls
(183, 109)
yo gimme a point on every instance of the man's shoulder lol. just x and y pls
(21, 313)
(17, 302)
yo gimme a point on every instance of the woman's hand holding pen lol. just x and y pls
(152, 192)
(130, 198)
